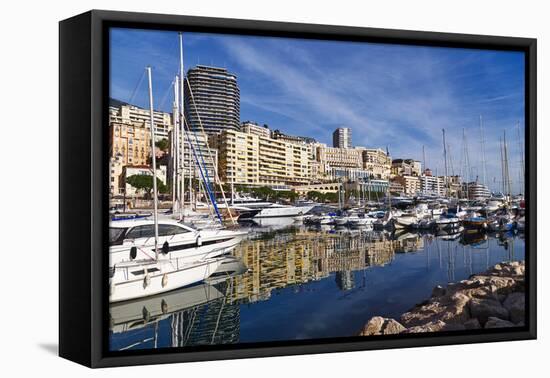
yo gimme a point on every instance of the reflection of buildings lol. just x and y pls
(210, 315)
(296, 258)
(345, 280)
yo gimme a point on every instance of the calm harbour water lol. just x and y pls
(303, 283)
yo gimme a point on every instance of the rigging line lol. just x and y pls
(165, 97)
(210, 153)
(212, 199)
(134, 92)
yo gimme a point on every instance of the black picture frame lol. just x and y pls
(83, 195)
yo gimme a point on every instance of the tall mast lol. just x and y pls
(506, 167)
(502, 165)
(181, 158)
(467, 173)
(445, 158)
(175, 149)
(483, 165)
(153, 159)
(423, 173)
(521, 159)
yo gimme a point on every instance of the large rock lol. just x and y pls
(434, 326)
(448, 309)
(483, 309)
(373, 327)
(515, 304)
(493, 322)
(472, 324)
(382, 326)
(392, 327)
(438, 291)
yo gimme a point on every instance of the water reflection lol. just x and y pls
(287, 282)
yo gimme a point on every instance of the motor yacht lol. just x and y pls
(135, 240)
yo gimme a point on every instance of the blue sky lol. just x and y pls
(390, 95)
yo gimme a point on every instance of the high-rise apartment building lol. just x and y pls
(341, 137)
(214, 99)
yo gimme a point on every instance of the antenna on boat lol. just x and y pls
(153, 159)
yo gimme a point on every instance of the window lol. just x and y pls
(115, 235)
(169, 229)
(145, 231)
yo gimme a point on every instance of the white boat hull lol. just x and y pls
(189, 250)
(142, 279)
(280, 212)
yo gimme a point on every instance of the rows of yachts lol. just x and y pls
(147, 259)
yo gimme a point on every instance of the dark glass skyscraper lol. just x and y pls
(216, 99)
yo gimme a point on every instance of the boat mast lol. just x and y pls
(501, 148)
(483, 163)
(445, 158)
(153, 159)
(175, 150)
(423, 174)
(521, 159)
(181, 157)
(507, 168)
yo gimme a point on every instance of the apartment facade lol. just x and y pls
(377, 162)
(253, 128)
(434, 185)
(250, 159)
(411, 184)
(406, 167)
(214, 99)
(133, 115)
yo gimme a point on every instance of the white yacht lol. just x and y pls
(135, 240)
(142, 278)
(278, 211)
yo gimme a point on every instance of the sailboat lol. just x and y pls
(150, 275)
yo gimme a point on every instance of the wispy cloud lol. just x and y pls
(400, 96)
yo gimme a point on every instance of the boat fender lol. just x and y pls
(199, 241)
(164, 306)
(146, 314)
(133, 252)
(164, 281)
(165, 248)
(146, 280)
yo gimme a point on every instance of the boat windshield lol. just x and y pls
(115, 234)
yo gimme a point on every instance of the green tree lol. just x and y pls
(331, 197)
(315, 196)
(145, 183)
(162, 144)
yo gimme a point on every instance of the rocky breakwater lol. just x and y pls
(493, 299)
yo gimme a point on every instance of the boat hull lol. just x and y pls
(157, 277)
